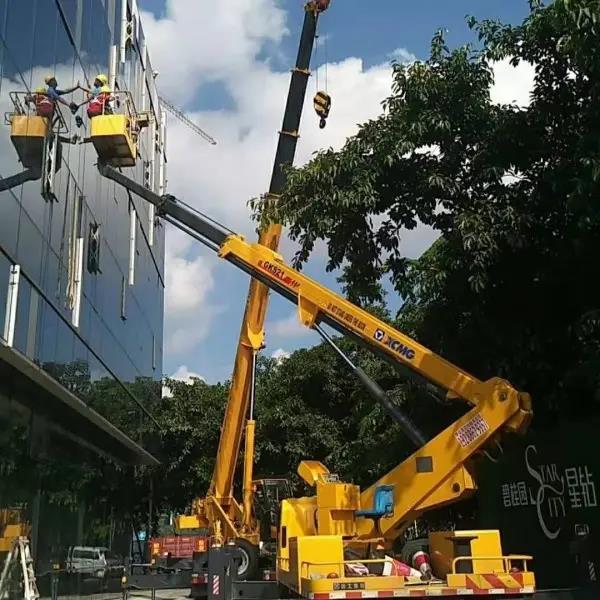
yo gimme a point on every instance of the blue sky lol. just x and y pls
(228, 98)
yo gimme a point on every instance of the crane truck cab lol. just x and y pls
(258, 543)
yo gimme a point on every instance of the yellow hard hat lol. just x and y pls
(103, 79)
(49, 78)
(40, 90)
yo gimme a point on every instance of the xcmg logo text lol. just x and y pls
(395, 345)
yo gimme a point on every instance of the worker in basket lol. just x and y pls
(55, 95)
(99, 99)
(44, 106)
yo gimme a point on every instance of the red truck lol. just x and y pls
(168, 551)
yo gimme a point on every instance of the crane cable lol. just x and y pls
(322, 99)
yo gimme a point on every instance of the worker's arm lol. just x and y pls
(84, 102)
(55, 95)
(91, 95)
(68, 90)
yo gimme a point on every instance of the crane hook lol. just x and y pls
(322, 104)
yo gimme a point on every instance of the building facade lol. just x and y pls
(81, 260)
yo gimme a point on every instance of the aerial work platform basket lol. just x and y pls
(29, 131)
(28, 134)
(37, 130)
(115, 136)
(114, 140)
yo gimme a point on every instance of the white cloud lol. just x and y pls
(512, 85)
(288, 327)
(280, 355)
(188, 306)
(188, 284)
(181, 374)
(402, 55)
(191, 45)
(220, 179)
(185, 375)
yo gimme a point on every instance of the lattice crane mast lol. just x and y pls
(177, 112)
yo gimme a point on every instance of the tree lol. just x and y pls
(310, 406)
(190, 423)
(510, 287)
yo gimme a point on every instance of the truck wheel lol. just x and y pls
(248, 567)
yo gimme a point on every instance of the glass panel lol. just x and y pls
(49, 483)
(95, 38)
(30, 245)
(61, 357)
(32, 326)
(17, 37)
(46, 21)
(9, 206)
(3, 7)
(80, 371)
(22, 320)
(49, 277)
(69, 8)
(48, 341)
(4, 278)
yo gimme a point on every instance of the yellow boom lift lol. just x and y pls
(13, 525)
(237, 520)
(316, 533)
(38, 143)
(321, 538)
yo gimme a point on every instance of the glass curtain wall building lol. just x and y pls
(81, 273)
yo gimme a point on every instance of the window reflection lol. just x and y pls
(95, 36)
(69, 9)
(3, 7)
(22, 320)
(45, 23)
(17, 38)
(4, 277)
(106, 361)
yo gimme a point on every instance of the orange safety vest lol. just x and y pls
(44, 105)
(97, 105)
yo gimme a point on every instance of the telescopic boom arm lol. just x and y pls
(317, 305)
(252, 330)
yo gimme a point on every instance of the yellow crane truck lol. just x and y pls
(237, 519)
(324, 542)
(315, 534)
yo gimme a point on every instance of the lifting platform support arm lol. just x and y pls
(496, 405)
(31, 174)
(252, 330)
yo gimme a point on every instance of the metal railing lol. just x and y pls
(24, 105)
(306, 566)
(507, 561)
(122, 102)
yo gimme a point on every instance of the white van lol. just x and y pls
(90, 561)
